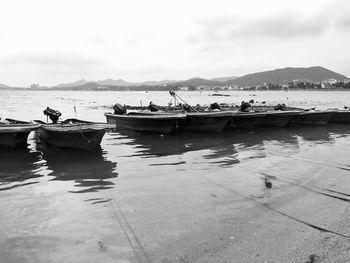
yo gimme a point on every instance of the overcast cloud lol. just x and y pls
(57, 41)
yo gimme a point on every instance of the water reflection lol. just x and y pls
(339, 130)
(88, 169)
(224, 149)
(17, 166)
(228, 142)
(317, 134)
(230, 147)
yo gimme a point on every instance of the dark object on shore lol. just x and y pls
(263, 102)
(345, 107)
(313, 259)
(52, 114)
(153, 107)
(251, 101)
(119, 109)
(245, 106)
(268, 183)
(280, 107)
(215, 106)
(15, 133)
(72, 133)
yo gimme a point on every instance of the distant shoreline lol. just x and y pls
(152, 90)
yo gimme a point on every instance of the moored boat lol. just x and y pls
(312, 117)
(205, 121)
(15, 133)
(244, 120)
(146, 121)
(340, 116)
(72, 133)
(276, 118)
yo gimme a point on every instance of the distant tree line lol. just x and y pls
(342, 84)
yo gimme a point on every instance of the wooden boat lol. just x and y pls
(72, 133)
(147, 121)
(210, 121)
(15, 133)
(312, 117)
(276, 118)
(244, 120)
(340, 116)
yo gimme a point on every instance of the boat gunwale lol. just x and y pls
(169, 116)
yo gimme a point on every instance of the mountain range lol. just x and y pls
(277, 76)
(285, 75)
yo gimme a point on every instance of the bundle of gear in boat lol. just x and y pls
(52, 114)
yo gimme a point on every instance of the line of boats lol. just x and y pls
(79, 134)
(219, 120)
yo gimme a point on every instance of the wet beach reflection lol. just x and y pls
(89, 170)
(18, 167)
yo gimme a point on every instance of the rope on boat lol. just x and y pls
(81, 130)
(173, 93)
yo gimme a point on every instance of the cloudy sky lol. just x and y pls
(58, 41)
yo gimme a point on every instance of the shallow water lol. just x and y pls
(141, 195)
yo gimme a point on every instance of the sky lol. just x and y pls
(60, 41)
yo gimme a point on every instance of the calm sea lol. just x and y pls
(141, 195)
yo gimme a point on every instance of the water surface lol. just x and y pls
(142, 195)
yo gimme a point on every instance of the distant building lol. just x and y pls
(328, 83)
(34, 86)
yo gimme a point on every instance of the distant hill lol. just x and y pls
(280, 76)
(76, 83)
(3, 86)
(195, 82)
(277, 76)
(112, 82)
(223, 79)
(157, 83)
(84, 86)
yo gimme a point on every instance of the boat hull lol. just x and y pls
(78, 136)
(340, 116)
(312, 118)
(15, 134)
(205, 122)
(276, 119)
(146, 123)
(14, 139)
(244, 120)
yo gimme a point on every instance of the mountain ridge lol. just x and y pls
(276, 76)
(285, 75)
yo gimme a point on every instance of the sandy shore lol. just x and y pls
(219, 225)
(272, 230)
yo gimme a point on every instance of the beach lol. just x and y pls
(177, 198)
